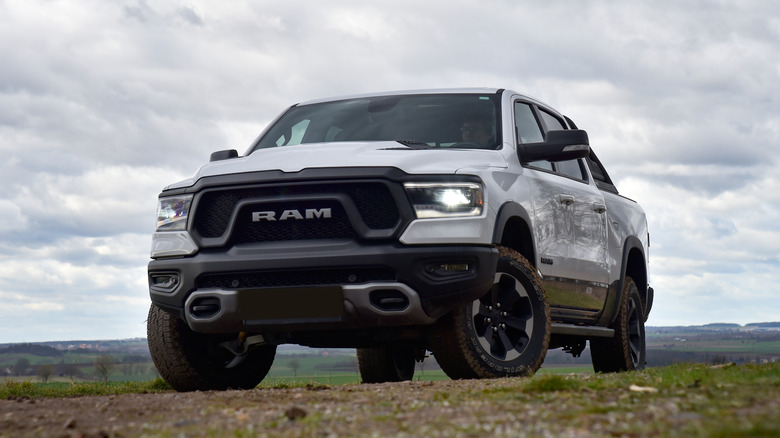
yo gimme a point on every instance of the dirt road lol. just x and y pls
(479, 408)
(412, 408)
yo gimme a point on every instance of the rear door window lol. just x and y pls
(551, 122)
(600, 175)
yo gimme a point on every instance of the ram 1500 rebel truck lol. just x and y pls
(475, 224)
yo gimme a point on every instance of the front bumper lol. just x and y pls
(293, 287)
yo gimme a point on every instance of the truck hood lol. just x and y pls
(353, 154)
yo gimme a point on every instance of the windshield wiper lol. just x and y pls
(415, 144)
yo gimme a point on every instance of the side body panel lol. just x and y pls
(628, 252)
(569, 226)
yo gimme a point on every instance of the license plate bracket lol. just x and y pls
(292, 303)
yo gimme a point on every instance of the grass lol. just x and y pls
(287, 381)
(302, 381)
(678, 376)
(11, 389)
(679, 400)
(566, 369)
(686, 400)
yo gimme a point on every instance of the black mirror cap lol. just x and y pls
(562, 145)
(224, 155)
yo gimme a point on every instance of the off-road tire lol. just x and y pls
(626, 351)
(191, 361)
(385, 364)
(471, 341)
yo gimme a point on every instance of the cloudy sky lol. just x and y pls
(103, 103)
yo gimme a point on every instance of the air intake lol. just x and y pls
(389, 300)
(205, 307)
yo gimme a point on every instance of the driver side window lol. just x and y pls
(527, 130)
(570, 168)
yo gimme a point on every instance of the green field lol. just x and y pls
(75, 361)
(667, 346)
(727, 346)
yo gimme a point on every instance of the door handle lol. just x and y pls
(599, 208)
(566, 199)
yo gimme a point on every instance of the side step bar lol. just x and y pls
(581, 330)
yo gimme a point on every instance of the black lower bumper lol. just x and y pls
(272, 287)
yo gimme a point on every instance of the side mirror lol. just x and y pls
(224, 155)
(557, 146)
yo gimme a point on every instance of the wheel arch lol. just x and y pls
(636, 268)
(513, 230)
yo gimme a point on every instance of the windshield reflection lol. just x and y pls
(448, 120)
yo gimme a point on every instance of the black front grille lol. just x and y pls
(309, 277)
(336, 226)
(373, 200)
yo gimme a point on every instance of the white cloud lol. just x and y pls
(362, 23)
(13, 219)
(77, 288)
(99, 202)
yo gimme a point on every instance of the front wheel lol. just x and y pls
(505, 333)
(626, 351)
(386, 364)
(191, 361)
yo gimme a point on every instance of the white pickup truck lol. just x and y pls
(476, 224)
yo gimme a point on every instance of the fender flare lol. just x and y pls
(615, 295)
(510, 210)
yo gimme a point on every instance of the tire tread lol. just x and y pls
(177, 354)
(451, 345)
(613, 355)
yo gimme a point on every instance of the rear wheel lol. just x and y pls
(626, 351)
(386, 364)
(504, 333)
(191, 361)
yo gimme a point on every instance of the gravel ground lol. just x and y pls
(475, 408)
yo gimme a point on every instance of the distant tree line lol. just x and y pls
(764, 324)
(102, 368)
(35, 349)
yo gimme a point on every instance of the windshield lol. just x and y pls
(430, 120)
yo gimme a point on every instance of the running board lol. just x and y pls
(582, 330)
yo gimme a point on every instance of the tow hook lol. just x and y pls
(241, 344)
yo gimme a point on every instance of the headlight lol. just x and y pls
(445, 199)
(172, 213)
